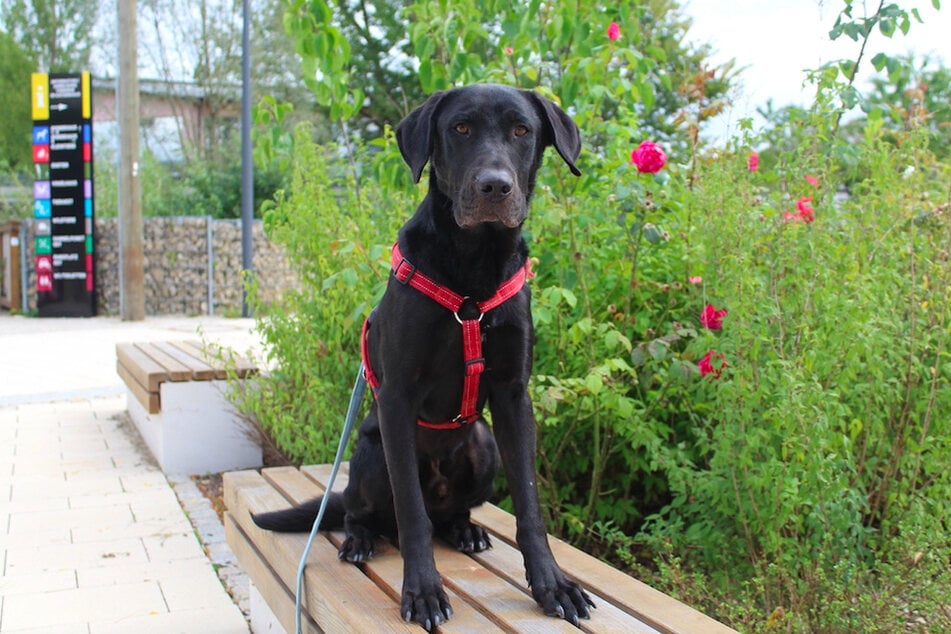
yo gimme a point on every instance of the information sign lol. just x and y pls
(63, 194)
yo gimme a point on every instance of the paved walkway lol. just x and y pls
(93, 538)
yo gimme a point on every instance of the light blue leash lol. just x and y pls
(359, 388)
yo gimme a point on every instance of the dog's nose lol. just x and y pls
(494, 184)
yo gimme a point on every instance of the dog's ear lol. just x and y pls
(414, 134)
(562, 131)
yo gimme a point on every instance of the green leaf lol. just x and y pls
(594, 383)
(657, 349)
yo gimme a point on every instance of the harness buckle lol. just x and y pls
(461, 420)
(401, 277)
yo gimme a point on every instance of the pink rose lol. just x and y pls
(753, 162)
(806, 212)
(711, 318)
(614, 31)
(706, 365)
(648, 157)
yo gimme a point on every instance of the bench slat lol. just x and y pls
(340, 598)
(151, 401)
(223, 360)
(175, 369)
(195, 350)
(140, 366)
(200, 370)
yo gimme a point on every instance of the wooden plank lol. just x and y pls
(151, 401)
(340, 598)
(176, 370)
(140, 366)
(200, 370)
(278, 597)
(651, 606)
(223, 360)
(194, 350)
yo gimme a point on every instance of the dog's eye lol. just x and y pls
(461, 128)
(520, 130)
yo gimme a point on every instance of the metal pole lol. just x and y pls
(24, 274)
(247, 166)
(131, 258)
(209, 240)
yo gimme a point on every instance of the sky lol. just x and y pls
(773, 41)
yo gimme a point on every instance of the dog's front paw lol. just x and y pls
(425, 603)
(560, 596)
(466, 536)
(358, 546)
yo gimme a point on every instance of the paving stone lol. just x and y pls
(32, 582)
(82, 605)
(26, 559)
(206, 621)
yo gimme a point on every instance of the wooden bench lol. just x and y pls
(487, 590)
(177, 398)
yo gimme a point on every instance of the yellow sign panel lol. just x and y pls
(40, 96)
(87, 103)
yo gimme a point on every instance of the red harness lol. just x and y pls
(407, 274)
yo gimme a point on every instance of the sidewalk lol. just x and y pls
(92, 536)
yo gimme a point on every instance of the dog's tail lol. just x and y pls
(300, 519)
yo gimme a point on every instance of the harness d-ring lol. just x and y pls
(455, 313)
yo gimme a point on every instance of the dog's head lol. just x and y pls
(484, 144)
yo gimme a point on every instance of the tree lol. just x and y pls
(57, 34)
(381, 57)
(15, 68)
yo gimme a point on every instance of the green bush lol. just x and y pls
(337, 236)
(782, 467)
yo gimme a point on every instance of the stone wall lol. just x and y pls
(192, 266)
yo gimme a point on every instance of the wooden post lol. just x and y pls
(131, 259)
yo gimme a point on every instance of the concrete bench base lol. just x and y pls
(197, 431)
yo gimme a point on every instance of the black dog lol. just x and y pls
(422, 460)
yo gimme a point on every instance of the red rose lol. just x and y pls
(648, 157)
(706, 364)
(712, 318)
(614, 31)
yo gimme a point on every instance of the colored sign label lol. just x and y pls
(63, 201)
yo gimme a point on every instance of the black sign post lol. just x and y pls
(63, 195)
